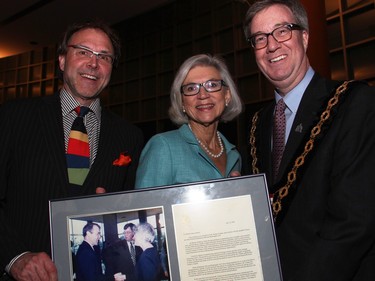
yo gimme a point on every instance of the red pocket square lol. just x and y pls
(123, 160)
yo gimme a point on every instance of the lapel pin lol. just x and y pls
(299, 128)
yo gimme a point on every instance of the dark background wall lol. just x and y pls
(342, 40)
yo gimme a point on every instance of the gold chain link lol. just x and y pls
(252, 143)
(292, 175)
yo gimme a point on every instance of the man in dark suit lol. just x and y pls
(118, 257)
(324, 188)
(88, 258)
(33, 145)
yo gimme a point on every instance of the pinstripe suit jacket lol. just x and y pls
(33, 169)
(326, 228)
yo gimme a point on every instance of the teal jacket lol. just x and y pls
(176, 157)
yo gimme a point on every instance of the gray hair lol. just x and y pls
(147, 231)
(234, 107)
(294, 6)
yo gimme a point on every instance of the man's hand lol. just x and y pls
(35, 267)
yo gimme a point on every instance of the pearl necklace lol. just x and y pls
(206, 149)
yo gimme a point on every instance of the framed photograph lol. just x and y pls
(204, 231)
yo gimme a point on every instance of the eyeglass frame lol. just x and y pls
(92, 52)
(289, 26)
(222, 83)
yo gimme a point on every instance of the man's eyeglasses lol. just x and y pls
(281, 34)
(84, 52)
(210, 86)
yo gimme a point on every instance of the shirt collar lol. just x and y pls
(294, 97)
(69, 104)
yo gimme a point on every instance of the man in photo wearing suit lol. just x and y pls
(122, 256)
(88, 258)
(36, 164)
(315, 143)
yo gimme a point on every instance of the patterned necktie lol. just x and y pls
(278, 136)
(78, 152)
(132, 252)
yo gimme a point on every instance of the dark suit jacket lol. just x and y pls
(326, 230)
(88, 263)
(117, 259)
(33, 169)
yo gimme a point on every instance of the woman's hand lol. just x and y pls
(235, 174)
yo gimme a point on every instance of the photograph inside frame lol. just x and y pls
(117, 248)
(209, 230)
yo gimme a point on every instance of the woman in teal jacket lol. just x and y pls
(203, 94)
